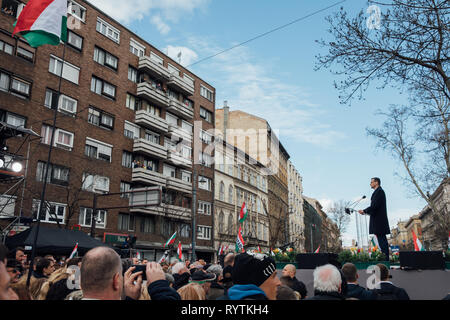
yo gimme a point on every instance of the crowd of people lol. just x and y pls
(103, 275)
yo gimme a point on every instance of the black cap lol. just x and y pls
(201, 276)
(252, 268)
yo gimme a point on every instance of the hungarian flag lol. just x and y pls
(374, 242)
(171, 240)
(74, 251)
(259, 249)
(138, 255)
(43, 22)
(240, 241)
(317, 251)
(243, 214)
(180, 252)
(163, 258)
(417, 244)
(221, 250)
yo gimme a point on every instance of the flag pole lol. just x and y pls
(44, 187)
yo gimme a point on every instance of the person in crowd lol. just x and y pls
(181, 275)
(57, 288)
(170, 279)
(227, 272)
(192, 291)
(287, 293)
(165, 267)
(44, 268)
(354, 290)
(327, 283)
(229, 260)
(289, 282)
(254, 278)
(216, 290)
(13, 268)
(6, 292)
(290, 270)
(386, 290)
(203, 279)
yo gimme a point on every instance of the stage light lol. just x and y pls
(17, 167)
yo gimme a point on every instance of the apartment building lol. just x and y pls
(296, 213)
(125, 121)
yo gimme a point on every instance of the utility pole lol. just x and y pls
(94, 215)
(194, 200)
(312, 241)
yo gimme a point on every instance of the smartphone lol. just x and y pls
(140, 267)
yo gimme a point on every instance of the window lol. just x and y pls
(152, 137)
(204, 232)
(132, 74)
(125, 222)
(95, 183)
(132, 102)
(100, 118)
(155, 58)
(12, 8)
(186, 126)
(127, 159)
(21, 52)
(76, 10)
(125, 187)
(131, 130)
(63, 139)
(147, 225)
(97, 149)
(169, 171)
(13, 119)
(85, 218)
(186, 152)
(69, 71)
(136, 48)
(221, 222)
(173, 70)
(205, 136)
(222, 191)
(205, 159)
(184, 230)
(64, 103)
(105, 58)
(56, 174)
(6, 47)
(108, 30)
(204, 183)
(103, 88)
(142, 162)
(15, 85)
(74, 40)
(171, 119)
(205, 114)
(205, 208)
(186, 176)
(144, 105)
(230, 194)
(230, 224)
(8, 204)
(188, 79)
(206, 93)
(52, 212)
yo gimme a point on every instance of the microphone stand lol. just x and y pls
(349, 211)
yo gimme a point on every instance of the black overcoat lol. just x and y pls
(379, 223)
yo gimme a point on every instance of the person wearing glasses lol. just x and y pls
(13, 268)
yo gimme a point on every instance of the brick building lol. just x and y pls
(128, 117)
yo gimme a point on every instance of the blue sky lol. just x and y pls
(273, 77)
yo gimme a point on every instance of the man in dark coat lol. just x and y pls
(387, 290)
(354, 290)
(379, 224)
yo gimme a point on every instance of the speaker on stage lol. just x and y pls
(424, 260)
(314, 260)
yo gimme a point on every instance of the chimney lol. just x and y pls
(226, 111)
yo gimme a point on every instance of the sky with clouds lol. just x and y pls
(273, 77)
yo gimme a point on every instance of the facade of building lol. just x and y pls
(125, 121)
(255, 137)
(399, 235)
(296, 214)
(239, 179)
(413, 224)
(313, 225)
(434, 237)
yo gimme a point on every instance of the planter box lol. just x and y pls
(281, 265)
(365, 265)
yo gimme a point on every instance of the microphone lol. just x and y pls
(350, 209)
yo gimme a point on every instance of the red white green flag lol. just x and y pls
(43, 22)
(74, 251)
(244, 213)
(171, 240)
(417, 244)
(221, 249)
(259, 249)
(317, 251)
(180, 252)
(240, 241)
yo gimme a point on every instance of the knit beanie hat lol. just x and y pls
(252, 268)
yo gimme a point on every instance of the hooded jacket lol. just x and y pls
(246, 292)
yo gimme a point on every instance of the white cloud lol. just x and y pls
(187, 55)
(167, 10)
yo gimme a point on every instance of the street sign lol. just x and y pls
(115, 238)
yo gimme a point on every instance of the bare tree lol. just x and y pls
(337, 215)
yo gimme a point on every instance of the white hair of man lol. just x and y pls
(216, 269)
(327, 279)
(177, 267)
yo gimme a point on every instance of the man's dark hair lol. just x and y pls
(73, 262)
(384, 272)
(285, 293)
(287, 281)
(349, 270)
(377, 180)
(98, 267)
(3, 252)
(42, 264)
(12, 253)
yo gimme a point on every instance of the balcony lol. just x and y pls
(150, 121)
(146, 90)
(166, 210)
(149, 148)
(148, 177)
(156, 69)
(176, 159)
(177, 133)
(180, 109)
(181, 84)
(179, 185)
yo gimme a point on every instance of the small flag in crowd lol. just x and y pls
(417, 244)
(259, 249)
(180, 252)
(171, 240)
(138, 255)
(221, 249)
(317, 251)
(74, 251)
(244, 213)
(374, 241)
(43, 22)
(240, 241)
(164, 257)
